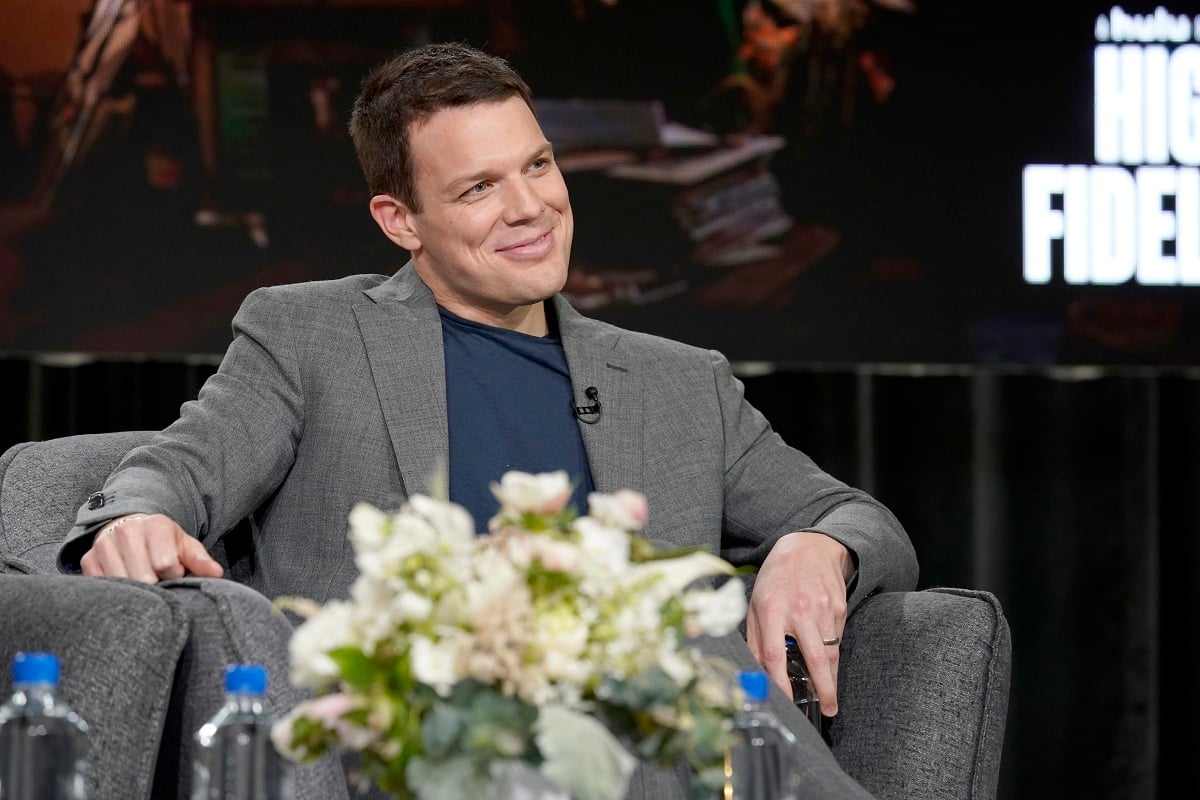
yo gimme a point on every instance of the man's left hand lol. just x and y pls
(801, 590)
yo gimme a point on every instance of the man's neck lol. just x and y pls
(530, 320)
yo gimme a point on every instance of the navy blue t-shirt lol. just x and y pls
(509, 400)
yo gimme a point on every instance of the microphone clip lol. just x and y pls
(589, 414)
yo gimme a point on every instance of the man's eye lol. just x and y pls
(478, 188)
(540, 163)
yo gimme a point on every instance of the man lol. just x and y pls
(468, 359)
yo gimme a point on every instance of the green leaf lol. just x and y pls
(652, 687)
(707, 783)
(492, 724)
(441, 729)
(356, 667)
(312, 738)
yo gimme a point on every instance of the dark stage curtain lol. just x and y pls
(1071, 493)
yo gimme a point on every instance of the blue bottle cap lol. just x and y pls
(754, 684)
(246, 679)
(35, 668)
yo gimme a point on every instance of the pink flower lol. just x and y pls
(625, 509)
(329, 709)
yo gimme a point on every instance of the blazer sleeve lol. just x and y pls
(229, 449)
(772, 489)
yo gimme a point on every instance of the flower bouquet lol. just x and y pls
(552, 647)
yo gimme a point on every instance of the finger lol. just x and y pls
(752, 637)
(133, 551)
(770, 649)
(195, 558)
(821, 668)
(164, 556)
(103, 560)
(775, 663)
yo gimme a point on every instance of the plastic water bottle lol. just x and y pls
(234, 758)
(804, 694)
(762, 763)
(43, 742)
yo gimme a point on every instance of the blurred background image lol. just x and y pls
(952, 249)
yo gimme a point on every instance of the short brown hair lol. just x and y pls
(411, 88)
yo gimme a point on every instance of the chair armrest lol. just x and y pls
(923, 690)
(144, 666)
(230, 623)
(118, 642)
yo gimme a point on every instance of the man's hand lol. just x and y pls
(148, 548)
(801, 590)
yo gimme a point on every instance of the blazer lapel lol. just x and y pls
(596, 357)
(402, 334)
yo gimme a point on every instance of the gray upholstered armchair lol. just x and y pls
(923, 683)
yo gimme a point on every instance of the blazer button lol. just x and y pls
(95, 501)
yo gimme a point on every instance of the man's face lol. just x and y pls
(494, 233)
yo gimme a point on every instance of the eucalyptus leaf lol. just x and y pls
(456, 778)
(441, 729)
(582, 755)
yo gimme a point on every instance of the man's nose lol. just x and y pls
(524, 202)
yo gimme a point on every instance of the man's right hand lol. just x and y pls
(147, 548)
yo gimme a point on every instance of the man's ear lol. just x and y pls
(395, 220)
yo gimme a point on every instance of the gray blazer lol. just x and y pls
(333, 392)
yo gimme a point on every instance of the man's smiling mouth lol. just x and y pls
(535, 246)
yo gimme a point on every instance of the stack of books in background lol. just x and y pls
(659, 206)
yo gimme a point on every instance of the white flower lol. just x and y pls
(374, 618)
(544, 493)
(407, 534)
(605, 546)
(411, 606)
(675, 664)
(368, 527)
(561, 637)
(332, 627)
(435, 663)
(557, 555)
(625, 509)
(451, 520)
(670, 576)
(543, 610)
(411, 533)
(715, 612)
(494, 580)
